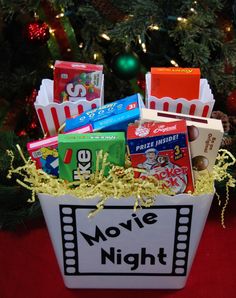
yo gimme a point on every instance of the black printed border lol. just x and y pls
(181, 240)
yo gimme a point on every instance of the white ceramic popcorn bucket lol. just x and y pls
(52, 115)
(198, 107)
(153, 248)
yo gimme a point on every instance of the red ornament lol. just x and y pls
(33, 125)
(231, 103)
(141, 82)
(37, 32)
(32, 97)
(21, 133)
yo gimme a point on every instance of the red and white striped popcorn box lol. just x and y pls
(201, 106)
(52, 115)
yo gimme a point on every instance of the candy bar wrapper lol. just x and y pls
(45, 154)
(113, 116)
(75, 81)
(78, 153)
(175, 82)
(205, 136)
(162, 151)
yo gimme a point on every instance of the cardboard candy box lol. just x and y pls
(74, 81)
(78, 153)
(162, 150)
(114, 116)
(45, 152)
(205, 136)
(175, 82)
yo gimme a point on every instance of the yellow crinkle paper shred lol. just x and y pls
(120, 183)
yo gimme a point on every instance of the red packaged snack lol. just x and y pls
(175, 82)
(75, 81)
(162, 150)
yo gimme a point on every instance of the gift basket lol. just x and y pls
(125, 192)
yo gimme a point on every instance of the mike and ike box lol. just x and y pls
(161, 150)
(175, 82)
(205, 136)
(78, 153)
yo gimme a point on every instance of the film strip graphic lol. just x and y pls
(69, 239)
(181, 240)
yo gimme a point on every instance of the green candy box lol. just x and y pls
(78, 153)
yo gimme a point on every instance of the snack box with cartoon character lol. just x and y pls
(74, 81)
(161, 150)
(45, 154)
(114, 116)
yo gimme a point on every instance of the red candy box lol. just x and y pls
(74, 81)
(162, 151)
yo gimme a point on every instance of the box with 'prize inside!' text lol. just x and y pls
(161, 150)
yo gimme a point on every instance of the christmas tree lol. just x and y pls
(128, 38)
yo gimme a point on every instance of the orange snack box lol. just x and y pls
(175, 82)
